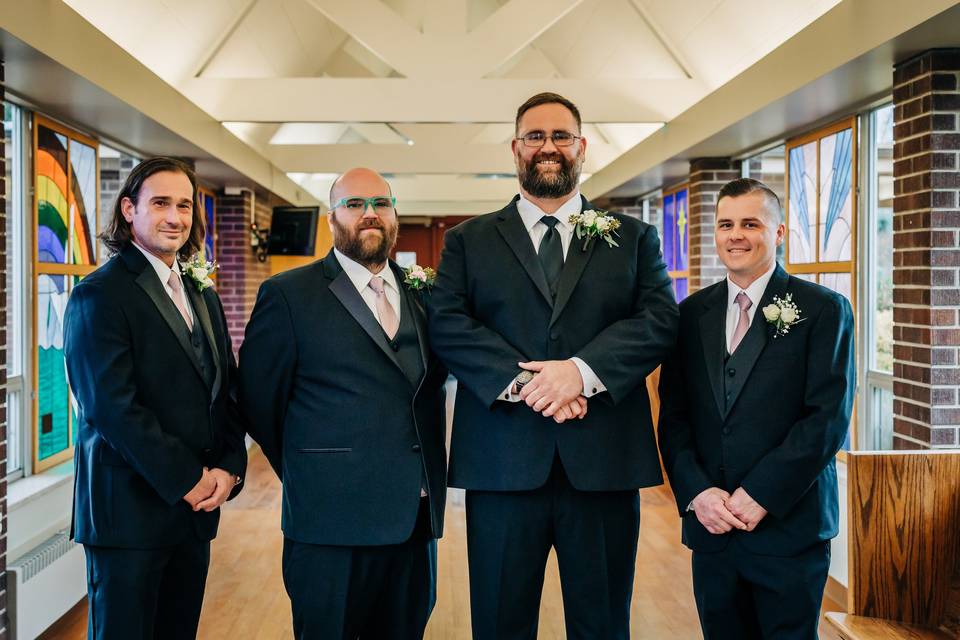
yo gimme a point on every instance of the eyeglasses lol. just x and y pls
(537, 139)
(356, 204)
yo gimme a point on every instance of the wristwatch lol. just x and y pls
(523, 378)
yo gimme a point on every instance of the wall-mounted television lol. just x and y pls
(293, 231)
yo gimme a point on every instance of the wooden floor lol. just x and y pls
(245, 596)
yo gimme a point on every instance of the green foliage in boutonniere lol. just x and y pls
(418, 278)
(782, 314)
(593, 224)
(199, 269)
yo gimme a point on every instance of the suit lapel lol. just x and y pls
(573, 266)
(757, 336)
(417, 314)
(342, 287)
(203, 314)
(510, 226)
(712, 327)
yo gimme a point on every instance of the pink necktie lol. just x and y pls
(743, 323)
(388, 317)
(178, 299)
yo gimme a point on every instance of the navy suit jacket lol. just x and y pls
(339, 421)
(147, 422)
(771, 419)
(491, 308)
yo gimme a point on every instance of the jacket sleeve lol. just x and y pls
(100, 367)
(785, 473)
(627, 351)
(478, 356)
(268, 360)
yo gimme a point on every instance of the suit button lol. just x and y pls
(726, 431)
(415, 448)
(722, 469)
(731, 372)
(554, 336)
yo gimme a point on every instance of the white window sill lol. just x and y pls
(25, 490)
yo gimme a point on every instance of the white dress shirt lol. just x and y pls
(360, 276)
(163, 272)
(754, 292)
(530, 214)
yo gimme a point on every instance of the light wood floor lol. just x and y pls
(245, 597)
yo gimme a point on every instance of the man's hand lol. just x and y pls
(711, 510)
(225, 483)
(556, 385)
(746, 509)
(202, 490)
(576, 409)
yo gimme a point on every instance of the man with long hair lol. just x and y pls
(160, 445)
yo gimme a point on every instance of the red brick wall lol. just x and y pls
(3, 387)
(240, 273)
(926, 259)
(707, 176)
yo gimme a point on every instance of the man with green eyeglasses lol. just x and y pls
(347, 402)
(541, 310)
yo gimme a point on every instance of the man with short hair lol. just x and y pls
(756, 402)
(539, 322)
(347, 402)
(160, 445)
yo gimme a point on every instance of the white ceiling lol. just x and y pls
(426, 90)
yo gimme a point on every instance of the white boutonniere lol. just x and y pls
(593, 224)
(199, 269)
(782, 314)
(418, 278)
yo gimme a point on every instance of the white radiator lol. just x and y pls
(43, 584)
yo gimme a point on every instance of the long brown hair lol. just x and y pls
(118, 235)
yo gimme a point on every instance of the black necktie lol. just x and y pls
(551, 254)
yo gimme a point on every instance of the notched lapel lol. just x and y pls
(573, 266)
(712, 327)
(150, 283)
(350, 298)
(510, 226)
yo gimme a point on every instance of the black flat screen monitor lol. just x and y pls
(293, 231)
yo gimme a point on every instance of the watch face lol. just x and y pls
(525, 377)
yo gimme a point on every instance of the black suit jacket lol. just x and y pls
(334, 413)
(147, 422)
(491, 309)
(778, 432)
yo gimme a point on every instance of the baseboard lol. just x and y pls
(836, 592)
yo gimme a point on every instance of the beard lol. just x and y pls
(549, 185)
(368, 249)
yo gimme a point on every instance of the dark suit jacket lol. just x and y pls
(334, 413)
(777, 432)
(491, 309)
(147, 422)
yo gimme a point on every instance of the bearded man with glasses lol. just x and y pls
(551, 316)
(347, 402)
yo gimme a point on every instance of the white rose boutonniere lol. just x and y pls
(594, 224)
(782, 314)
(417, 277)
(199, 269)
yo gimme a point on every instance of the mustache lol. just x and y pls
(370, 224)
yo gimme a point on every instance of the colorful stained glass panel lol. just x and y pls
(836, 196)
(83, 203)
(803, 203)
(52, 208)
(53, 395)
(675, 232)
(208, 212)
(839, 282)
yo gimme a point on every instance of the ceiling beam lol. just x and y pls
(433, 100)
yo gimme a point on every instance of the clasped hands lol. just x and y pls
(212, 490)
(556, 390)
(720, 512)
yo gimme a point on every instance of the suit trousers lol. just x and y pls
(146, 594)
(746, 596)
(384, 592)
(509, 536)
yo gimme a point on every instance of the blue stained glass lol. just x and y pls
(208, 209)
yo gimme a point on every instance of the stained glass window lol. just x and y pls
(209, 212)
(53, 396)
(83, 203)
(53, 215)
(676, 239)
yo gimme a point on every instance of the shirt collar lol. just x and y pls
(360, 276)
(754, 291)
(163, 271)
(531, 213)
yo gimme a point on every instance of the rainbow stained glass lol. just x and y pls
(82, 201)
(835, 233)
(842, 283)
(53, 394)
(52, 205)
(208, 211)
(802, 203)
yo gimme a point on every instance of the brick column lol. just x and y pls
(926, 225)
(3, 384)
(707, 175)
(240, 272)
